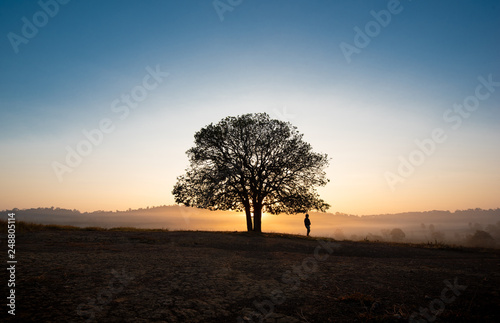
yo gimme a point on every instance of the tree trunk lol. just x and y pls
(257, 218)
(249, 218)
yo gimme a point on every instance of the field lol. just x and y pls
(127, 275)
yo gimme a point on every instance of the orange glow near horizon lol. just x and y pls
(119, 180)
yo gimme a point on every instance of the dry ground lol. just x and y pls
(105, 276)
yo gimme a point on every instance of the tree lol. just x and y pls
(397, 234)
(480, 239)
(255, 164)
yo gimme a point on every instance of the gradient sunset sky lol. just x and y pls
(403, 96)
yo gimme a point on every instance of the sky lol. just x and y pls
(100, 100)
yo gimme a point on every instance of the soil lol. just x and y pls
(107, 276)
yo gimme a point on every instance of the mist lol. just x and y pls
(472, 228)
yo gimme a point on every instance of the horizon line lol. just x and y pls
(202, 209)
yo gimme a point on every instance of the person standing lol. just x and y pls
(307, 223)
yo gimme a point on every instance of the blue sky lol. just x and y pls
(279, 57)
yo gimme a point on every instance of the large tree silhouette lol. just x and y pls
(255, 164)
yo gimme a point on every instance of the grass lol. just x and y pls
(425, 245)
(22, 226)
(437, 245)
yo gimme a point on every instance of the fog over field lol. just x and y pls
(473, 227)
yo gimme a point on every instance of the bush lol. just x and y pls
(480, 239)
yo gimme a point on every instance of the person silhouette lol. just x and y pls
(307, 223)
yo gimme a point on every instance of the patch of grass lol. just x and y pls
(23, 226)
(28, 226)
(93, 229)
(132, 229)
(282, 235)
(425, 245)
(35, 226)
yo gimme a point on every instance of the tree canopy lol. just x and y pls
(255, 164)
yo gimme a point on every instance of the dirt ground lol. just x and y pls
(105, 276)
